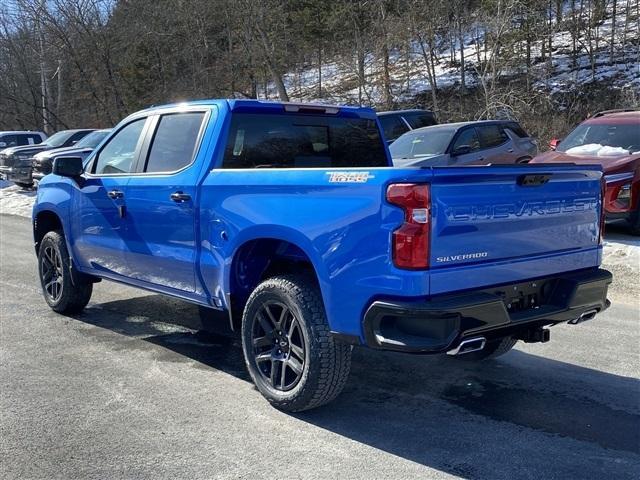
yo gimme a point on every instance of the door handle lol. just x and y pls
(180, 197)
(115, 194)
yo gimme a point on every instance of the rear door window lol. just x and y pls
(491, 136)
(33, 139)
(175, 142)
(419, 119)
(303, 141)
(392, 126)
(517, 129)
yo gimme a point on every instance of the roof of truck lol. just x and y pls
(248, 105)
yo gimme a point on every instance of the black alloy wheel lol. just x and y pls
(51, 273)
(278, 346)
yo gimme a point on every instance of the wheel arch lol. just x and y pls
(258, 258)
(43, 222)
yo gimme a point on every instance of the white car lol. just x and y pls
(19, 138)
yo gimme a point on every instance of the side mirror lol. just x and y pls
(461, 150)
(68, 167)
(553, 144)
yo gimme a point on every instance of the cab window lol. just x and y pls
(117, 156)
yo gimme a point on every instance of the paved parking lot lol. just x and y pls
(129, 389)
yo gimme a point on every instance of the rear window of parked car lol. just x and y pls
(392, 126)
(303, 141)
(491, 135)
(517, 129)
(419, 120)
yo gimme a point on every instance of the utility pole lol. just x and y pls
(44, 90)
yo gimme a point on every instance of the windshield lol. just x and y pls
(422, 143)
(620, 139)
(93, 139)
(57, 139)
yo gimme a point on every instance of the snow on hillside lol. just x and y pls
(408, 73)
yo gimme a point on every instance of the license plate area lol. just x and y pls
(525, 296)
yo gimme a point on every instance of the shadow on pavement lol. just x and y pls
(390, 398)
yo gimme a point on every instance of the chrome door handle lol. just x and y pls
(180, 197)
(115, 194)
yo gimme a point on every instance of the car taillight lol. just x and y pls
(410, 242)
(603, 192)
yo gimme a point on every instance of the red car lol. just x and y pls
(611, 139)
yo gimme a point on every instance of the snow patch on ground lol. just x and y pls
(622, 253)
(16, 201)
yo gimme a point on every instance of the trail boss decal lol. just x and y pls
(349, 177)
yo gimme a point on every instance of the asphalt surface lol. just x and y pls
(129, 389)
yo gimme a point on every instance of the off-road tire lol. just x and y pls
(75, 293)
(327, 361)
(492, 349)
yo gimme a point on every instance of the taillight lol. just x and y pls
(410, 242)
(603, 192)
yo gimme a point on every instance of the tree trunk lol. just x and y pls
(320, 71)
(386, 77)
(463, 82)
(613, 32)
(277, 80)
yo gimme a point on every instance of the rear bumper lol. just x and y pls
(440, 323)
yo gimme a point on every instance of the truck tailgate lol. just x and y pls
(488, 221)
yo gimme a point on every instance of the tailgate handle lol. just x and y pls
(533, 180)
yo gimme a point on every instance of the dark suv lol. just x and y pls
(15, 162)
(395, 123)
(466, 143)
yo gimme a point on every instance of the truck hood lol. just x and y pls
(610, 164)
(25, 149)
(58, 152)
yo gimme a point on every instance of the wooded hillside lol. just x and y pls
(548, 63)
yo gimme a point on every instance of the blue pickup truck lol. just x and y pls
(287, 225)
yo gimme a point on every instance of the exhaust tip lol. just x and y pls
(588, 315)
(468, 346)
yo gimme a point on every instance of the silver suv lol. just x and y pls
(466, 143)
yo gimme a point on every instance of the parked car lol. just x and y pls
(15, 162)
(284, 224)
(612, 140)
(43, 161)
(465, 143)
(395, 123)
(20, 138)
